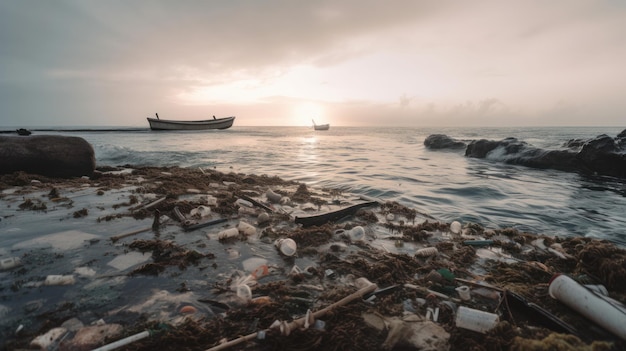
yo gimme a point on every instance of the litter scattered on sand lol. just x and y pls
(304, 268)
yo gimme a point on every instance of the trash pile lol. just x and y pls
(255, 262)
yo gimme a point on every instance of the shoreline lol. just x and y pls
(385, 254)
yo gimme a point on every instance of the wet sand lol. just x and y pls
(135, 249)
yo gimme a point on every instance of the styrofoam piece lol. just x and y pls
(476, 320)
(55, 279)
(606, 312)
(201, 211)
(130, 259)
(45, 341)
(10, 263)
(246, 229)
(228, 233)
(67, 240)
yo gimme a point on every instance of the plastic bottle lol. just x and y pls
(9, 263)
(604, 311)
(476, 320)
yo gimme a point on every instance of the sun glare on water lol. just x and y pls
(305, 112)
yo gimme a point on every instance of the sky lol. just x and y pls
(286, 62)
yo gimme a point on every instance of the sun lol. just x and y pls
(305, 112)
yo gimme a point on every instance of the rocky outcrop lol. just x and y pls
(601, 155)
(442, 141)
(48, 155)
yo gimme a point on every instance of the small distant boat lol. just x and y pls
(23, 131)
(169, 124)
(320, 126)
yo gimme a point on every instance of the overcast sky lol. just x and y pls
(285, 62)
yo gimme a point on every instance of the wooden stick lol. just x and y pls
(300, 322)
(120, 236)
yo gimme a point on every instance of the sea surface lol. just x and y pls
(392, 164)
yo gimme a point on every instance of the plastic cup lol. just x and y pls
(464, 292)
(287, 246)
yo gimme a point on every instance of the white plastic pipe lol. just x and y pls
(605, 312)
(122, 342)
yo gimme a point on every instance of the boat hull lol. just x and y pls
(165, 124)
(321, 126)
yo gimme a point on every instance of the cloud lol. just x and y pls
(73, 60)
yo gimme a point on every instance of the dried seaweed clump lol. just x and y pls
(605, 261)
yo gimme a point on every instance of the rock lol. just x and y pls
(602, 155)
(442, 141)
(48, 155)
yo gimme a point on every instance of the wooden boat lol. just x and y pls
(321, 126)
(168, 124)
(23, 131)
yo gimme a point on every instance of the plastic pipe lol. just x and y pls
(609, 314)
(122, 342)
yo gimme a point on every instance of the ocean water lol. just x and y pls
(393, 164)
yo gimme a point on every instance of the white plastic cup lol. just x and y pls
(228, 233)
(287, 246)
(476, 320)
(357, 233)
(610, 316)
(244, 292)
(464, 292)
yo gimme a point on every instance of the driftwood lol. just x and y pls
(332, 216)
(298, 323)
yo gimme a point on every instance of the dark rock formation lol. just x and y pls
(601, 155)
(442, 141)
(48, 155)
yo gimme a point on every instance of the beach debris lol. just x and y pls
(123, 342)
(246, 229)
(515, 307)
(604, 311)
(49, 339)
(228, 233)
(56, 279)
(286, 327)
(321, 219)
(272, 196)
(426, 252)
(93, 335)
(286, 246)
(464, 292)
(475, 320)
(10, 263)
(415, 331)
(456, 227)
